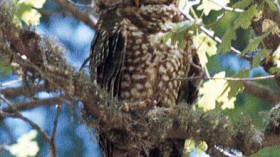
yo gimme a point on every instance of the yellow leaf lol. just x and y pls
(25, 146)
(202, 146)
(181, 3)
(214, 91)
(189, 146)
(31, 17)
(268, 24)
(34, 3)
(208, 5)
(205, 45)
(225, 100)
(276, 57)
(16, 21)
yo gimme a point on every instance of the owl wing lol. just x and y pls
(189, 89)
(107, 57)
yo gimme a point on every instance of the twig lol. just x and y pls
(83, 16)
(215, 38)
(17, 114)
(257, 90)
(42, 102)
(227, 78)
(225, 152)
(218, 40)
(15, 92)
(52, 142)
(277, 5)
(9, 83)
(82, 5)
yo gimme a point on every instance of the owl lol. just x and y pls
(130, 60)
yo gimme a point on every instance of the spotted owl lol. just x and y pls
(131, 62)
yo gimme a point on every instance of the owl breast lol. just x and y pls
(142, 67)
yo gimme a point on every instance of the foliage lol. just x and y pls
(208, 5)
(27, 11)
(276, 57)
(218, 92)
(191, 145)
(5, 68)
(177, 36)
(25, 146)
(223, 93)
(205, 46)
(273, 151)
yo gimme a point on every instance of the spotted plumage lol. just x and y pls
(130, 61)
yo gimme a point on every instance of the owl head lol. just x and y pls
(106, 4)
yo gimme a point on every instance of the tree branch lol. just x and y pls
(87, 18)
(25, 91)
(17, 114)
(52, 141)
(33, 104)
(260, 91)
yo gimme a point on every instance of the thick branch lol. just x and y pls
(260, 91)
(15, 92)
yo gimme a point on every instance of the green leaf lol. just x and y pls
(271, 5)
(189, 146)
(209, 97)
(254, 43)
(225, 22)
(273, 151)
(201, 147)
(244, 18)
(16, 21)
(26, 11)
(31, 17)
(242, 4)
(178, 34)
(33, 3)
(208, 6)
(21, 8)
(5, 68)
(226, 40)
(237, 86)
(262, 54)
(274, 70)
